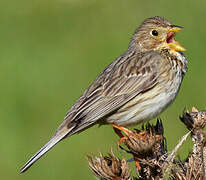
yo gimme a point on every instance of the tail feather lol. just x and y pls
(54, 140)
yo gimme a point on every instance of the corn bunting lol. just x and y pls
(134, 88)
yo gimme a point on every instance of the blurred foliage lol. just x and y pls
(51, 50)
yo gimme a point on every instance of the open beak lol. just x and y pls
(170, 38)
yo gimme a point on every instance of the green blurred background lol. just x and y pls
(51, 50)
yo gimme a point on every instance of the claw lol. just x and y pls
(121, 140)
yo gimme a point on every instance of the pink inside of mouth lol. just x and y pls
(170, 37)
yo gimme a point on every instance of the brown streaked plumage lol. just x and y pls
(134, 88)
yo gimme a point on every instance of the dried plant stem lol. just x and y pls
(149, 150)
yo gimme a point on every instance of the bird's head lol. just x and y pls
(156, 33)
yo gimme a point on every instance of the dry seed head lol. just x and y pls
(109, 167)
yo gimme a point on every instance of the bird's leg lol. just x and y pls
(118, 129)
(118, 132)
(137, 163)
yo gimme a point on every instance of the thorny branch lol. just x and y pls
(152, 160)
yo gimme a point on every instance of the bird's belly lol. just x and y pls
(145, 106)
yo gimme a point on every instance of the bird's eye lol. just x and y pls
(154, 33)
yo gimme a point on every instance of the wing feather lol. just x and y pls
(120, 82)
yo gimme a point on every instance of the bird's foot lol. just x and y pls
(139, 143)
(137, 163)
(118, 130)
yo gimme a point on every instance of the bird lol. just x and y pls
(135, 88)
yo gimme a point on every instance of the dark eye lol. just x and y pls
(154, 33)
